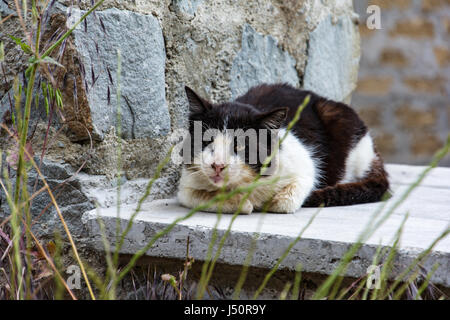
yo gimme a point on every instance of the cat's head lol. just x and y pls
(230, 141)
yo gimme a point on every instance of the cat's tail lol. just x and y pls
(373, 187)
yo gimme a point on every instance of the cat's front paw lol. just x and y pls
(247, 207)
(232, 207)
(283, 204)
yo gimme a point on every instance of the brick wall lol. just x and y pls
(404, 81)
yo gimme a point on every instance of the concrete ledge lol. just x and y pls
(323, 244)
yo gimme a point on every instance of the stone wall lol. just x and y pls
(219, 48)
(404, 80)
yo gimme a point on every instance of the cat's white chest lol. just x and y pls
(297, 161)
(298, 173)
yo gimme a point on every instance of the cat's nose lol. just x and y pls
(218, 167)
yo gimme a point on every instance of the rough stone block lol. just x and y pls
(442, 55)
(37, 113)
(332, 64)
(425, 85)
(5, 10)
(375, 86)
(413, 28)
(393, 57)
(186, 6)
(260, 60)
(71, 199)
(413, 119)
(142, 82)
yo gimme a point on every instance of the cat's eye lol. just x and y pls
(207, 144)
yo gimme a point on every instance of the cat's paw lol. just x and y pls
(247, 207)
(282, 204)
(232, 207)
(288, 200)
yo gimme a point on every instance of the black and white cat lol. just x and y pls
(327, 158)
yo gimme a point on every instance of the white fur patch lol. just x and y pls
(297, 160)
(359, 160)
(299, 173)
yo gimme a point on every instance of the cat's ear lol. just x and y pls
(274, 119)
(196, 104)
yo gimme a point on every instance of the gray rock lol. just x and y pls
(142, 83)
(260, 60)
(75, 195)
(5, 10)
(37, 113)
(71, 200)
(186, 6)
(332, 62)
